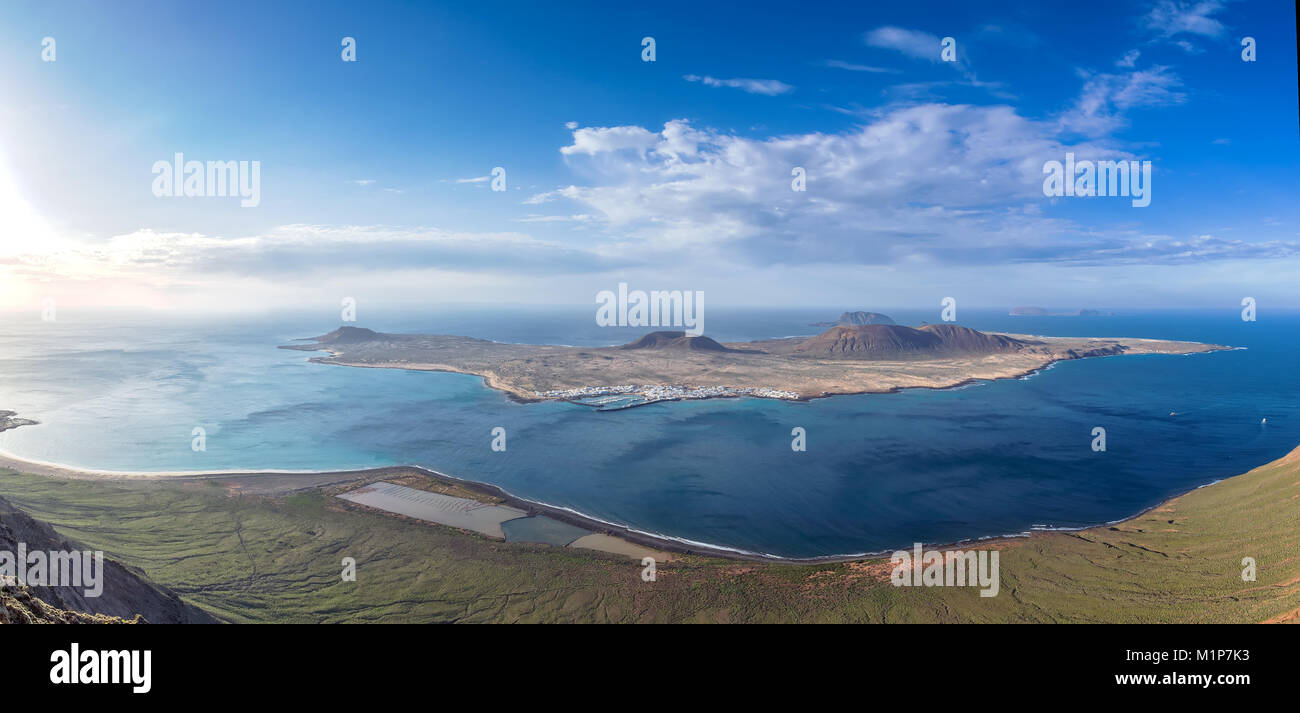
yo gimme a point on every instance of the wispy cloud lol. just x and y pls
(919, 44)
(840, 64)
(767, 87)
(913, 43)
(1163, 250)
(580, 218)
(302, 250)
(1101, 106)
(1169, 18)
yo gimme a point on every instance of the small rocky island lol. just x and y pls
(661, 366)
(1042, 312)
(857, 319)
(8, 421)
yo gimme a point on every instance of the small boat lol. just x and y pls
(1263, 421)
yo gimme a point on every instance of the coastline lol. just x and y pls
(320, 479)
(327, 478)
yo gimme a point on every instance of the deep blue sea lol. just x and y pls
(124, 392)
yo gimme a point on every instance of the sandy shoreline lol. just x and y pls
(272, 482)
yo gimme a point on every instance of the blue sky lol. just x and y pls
(923, 176)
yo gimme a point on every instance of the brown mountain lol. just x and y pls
(676, 341)
(868, 340)
(965, 339)
(896, 341)
(348, 335)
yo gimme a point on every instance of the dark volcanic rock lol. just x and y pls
(344, 335)
(19, 606)
(676, 340)
(8, 421)
(349, 335)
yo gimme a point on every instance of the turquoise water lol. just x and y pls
(123, 392)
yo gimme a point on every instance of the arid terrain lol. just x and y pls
(846, 359)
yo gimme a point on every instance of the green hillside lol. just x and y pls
(254, 559)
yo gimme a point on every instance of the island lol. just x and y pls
(855, 319)
(1042, 312)
(666, 365)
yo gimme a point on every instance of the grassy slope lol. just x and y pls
(261, 559)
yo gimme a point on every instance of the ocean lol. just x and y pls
(117, 391)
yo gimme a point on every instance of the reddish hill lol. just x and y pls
(965, 339)
(869, 339)
(894, 341)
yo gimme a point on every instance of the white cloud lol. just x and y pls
(767, 87)
(913, 43)
(931, 182)
(476, 179)
(1106, 97)
(600, 139)
(1169, 18)
(916, 185)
